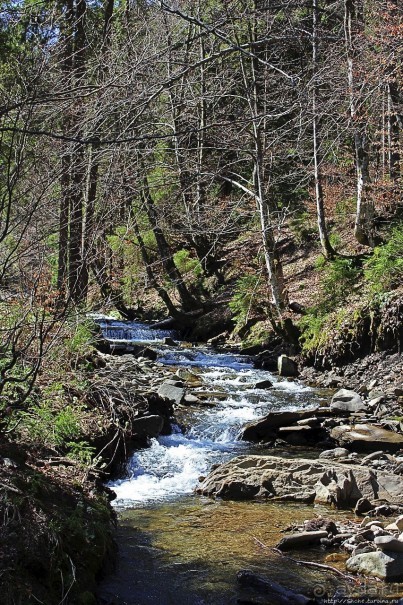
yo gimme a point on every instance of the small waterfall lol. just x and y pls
(133, 331)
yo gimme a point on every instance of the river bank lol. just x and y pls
(278, 447)
(166, 395)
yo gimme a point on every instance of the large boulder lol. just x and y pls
(287, 366)
(387, 566)
(303, 480)
(265, 428)
(347, 401)
(366, 438)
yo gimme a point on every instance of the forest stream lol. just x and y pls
(177, 548)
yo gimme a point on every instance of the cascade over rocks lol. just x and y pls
(301, 480)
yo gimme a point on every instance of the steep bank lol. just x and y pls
(57, 529)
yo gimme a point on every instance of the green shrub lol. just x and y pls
(311, 326)
(247, 298)
(188, 265)
(52, 427)
(80, 343)
(384, 270)
(338, 278)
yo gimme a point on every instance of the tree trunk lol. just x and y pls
(65, 179)
(187, 300)
(256, 103)
(327, 249)
(393, 131)
(162, 293)
(363, 229)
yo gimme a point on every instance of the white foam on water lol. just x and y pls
(288, 385)
(170, 467)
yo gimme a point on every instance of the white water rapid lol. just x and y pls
(171, 466)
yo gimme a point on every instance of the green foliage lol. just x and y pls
(312, 332)
(50, 426)
(186, 264)
(247, 298)
(338, 278)
(345, 207)
(81, 341)
(191, 269)
(384, 270)
(335, 240)
(81, 451)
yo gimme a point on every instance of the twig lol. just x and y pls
(10, 488)
(308, 563)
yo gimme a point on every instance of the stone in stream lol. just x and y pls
(337, 452)
(302, 480)
(263, 384)
(190, 399)
(174, 383)
(171, 392)
(389, 544)
(387, 566)
(366, 438)
(347, 401)
(265, 428)
(148, 426)
(302, 539)
(287, 366)
(363, 506)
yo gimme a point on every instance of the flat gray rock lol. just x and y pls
(171, 392)
(301, 539)
(303, 480)
(366, 438)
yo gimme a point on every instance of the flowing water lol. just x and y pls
(180, 549)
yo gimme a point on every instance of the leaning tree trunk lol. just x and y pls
(188, 302)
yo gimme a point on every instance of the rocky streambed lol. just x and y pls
(254, 447)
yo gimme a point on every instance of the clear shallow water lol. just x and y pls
(180, 549)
